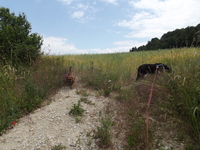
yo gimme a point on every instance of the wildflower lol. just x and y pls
(14, 123)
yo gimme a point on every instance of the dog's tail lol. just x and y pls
(70, 69)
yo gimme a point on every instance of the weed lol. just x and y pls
(103, 132)
(85, 100)
(82, 92)
(32, 97)
(76, 110)
(77, 119)
(88, 134)
(78, 91)
(136, 134)
(192, 147)
(125, 95)
(78, 142)
(107, 92)
(58, 147)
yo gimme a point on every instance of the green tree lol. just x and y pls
(188, 37)
(17, 43)
(154, 44)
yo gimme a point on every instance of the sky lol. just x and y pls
(103, 26)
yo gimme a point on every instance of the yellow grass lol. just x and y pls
(126, 64)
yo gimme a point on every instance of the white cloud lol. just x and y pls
(113, 31)
(119, 46)
(82, 6)
(81, 11)
(78, 14)
(66, 1)
(155, 17)
(109, 50)
(59, 46)
(114, 2)
(129, 43)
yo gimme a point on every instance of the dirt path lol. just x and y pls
(52, 125)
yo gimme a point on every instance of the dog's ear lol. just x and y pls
(167, 68)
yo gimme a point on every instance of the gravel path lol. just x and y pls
(52, 125)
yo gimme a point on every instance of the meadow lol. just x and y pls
(176, 97)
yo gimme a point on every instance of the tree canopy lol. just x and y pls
(188, 37)
(17, 43)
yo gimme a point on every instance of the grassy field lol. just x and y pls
(176, 97)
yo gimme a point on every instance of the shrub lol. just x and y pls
(76, 110)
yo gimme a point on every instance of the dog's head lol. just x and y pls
(163, 67)
(166, 68)
(70, 79)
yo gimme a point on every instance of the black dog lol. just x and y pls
(151, 69)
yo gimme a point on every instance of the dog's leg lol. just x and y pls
(139, 75)
(72, 84)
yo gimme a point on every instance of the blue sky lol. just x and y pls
(103, 26)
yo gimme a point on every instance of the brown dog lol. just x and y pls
(70, 78)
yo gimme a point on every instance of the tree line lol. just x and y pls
(185, 37)
(17, 43)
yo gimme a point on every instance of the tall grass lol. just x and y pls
(185, 95)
